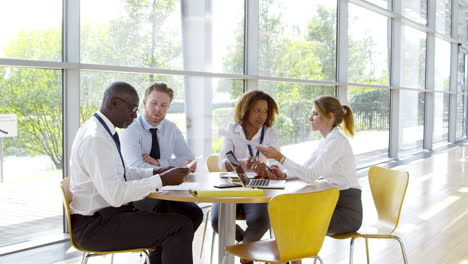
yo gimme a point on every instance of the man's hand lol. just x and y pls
(192, 168)
(174, 176)
(161, 169)
(150, 160)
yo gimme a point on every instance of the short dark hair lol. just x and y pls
(118, 89)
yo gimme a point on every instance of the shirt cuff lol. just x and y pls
(163, 163)
(156, 183)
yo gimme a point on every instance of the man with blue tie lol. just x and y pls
(151, 141)
(103, 216)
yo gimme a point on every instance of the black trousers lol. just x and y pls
(190, 210)
(125, 227)
(347, 216)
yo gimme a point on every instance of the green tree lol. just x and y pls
(35, 96)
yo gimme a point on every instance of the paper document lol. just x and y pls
(229, 192)
(224, 132)
(185, 186)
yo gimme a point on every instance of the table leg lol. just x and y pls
(227, 230)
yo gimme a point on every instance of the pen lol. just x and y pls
(3, 131)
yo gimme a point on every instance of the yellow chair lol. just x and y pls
(388, 189)
(212, 163)
(299, 221)
(67, 198)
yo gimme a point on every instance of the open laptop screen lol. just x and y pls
(237, 167)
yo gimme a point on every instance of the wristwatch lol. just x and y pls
(283, 158)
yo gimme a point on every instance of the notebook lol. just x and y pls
(254, 183)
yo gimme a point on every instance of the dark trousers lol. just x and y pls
(187, 209)
(347, 216)
(256, 217)
(125, 227)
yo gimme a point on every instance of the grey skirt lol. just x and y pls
(347, 216)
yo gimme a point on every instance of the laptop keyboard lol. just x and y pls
(259, 182)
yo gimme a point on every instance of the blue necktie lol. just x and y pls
(117, 140)
(155, 154)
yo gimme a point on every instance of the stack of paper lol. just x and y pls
(231, 192)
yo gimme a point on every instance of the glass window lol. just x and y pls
(131, 33)
(443, 16)
(387, 4)
(200, 107)
(297, 39)
(368, 50)
(415, 10)
(228, 36)
(33, 160)
(461, 117)
(411, 121)
(442, 65)
(441, 110)
(371, 108)
(413, 58)
(31, 29)
(463, 22)
(295, 107)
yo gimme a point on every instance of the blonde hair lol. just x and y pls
(248, 99)
(160, 87)
(329, 104)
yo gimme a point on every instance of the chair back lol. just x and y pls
(212, 163)
(300, 222)
(67, 198)
(388, 189)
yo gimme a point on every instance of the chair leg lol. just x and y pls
(84, 258)
(204, 233)
(147, 258)
(351, 250)
(403, 252)
(212, 246)
(317, 258)
(367, 251)
(224, 258)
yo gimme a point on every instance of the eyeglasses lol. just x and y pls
(134, 107)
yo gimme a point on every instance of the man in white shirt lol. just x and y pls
(103, 217)
(150, 142)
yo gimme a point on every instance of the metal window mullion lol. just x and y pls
(342, 51)
(395, 80)
(251, 42)
(452, 126)
(71, 80)
(430, 60)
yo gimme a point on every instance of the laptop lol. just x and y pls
(254, 183)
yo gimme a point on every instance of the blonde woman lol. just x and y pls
(333, 160)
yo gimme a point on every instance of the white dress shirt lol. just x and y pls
(333, 160)
(97, 173)
(137, 140)
(241, 150)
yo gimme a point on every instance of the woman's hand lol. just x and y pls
(276, 173)
(271, 153)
